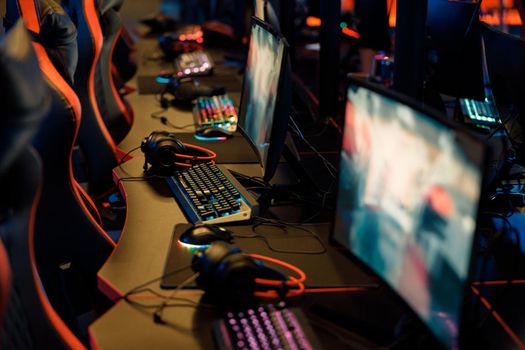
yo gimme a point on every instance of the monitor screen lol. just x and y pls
(407, 203)
(259, 9)
(260, 115)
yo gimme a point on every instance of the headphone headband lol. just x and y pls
(165, 152)
(234, 278)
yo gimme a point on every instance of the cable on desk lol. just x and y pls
(157, 315)
(138, 178)
(126, 155)
(165, 121)
(258, 180)
(329, 166)
(145, 284)
(159, 307)
(258, 221)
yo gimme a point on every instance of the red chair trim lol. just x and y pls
(88, 7)
(67, 336)
(54, 78)
(29, 14)
(116, 94)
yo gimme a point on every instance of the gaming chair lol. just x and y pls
(95, 141)
(70, 243)
(31, 322)
(115, 110)
(123, 58)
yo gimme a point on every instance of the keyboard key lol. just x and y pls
(208, 193)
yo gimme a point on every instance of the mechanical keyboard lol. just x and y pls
(208, 193)
(264, 327)
(479, 112)
(215, 111)
(190, 64)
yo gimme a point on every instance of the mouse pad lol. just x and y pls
(235, 150)
(328, 269)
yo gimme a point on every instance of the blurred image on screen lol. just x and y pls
(408, 197)
(261, 82)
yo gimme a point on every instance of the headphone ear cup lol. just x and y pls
(233, 283)
(160, 150)
(227, 276)
(208, 261)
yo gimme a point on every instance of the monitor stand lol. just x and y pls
(290, 177)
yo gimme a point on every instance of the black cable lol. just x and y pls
(258, 222)
(145, 284)
(127, 154)
(329, 166)
(157, 315)
(138, 178)
(160, 306)
(256, 179)
(165, 121)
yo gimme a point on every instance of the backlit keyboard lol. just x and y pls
(215, 111)
(479, 112)
(208, 193)
(194, 63)
(264, 327)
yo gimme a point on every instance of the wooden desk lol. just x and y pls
(141, 253)
(140, 257)
(145, 105)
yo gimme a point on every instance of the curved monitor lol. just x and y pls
(265, 98)
(408, 197)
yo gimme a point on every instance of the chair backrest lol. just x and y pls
(94, 138)
(31, 321)
(22, 97)
(65, 230)
(117, 114)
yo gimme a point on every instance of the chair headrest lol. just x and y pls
(50, 26)
(25, 97)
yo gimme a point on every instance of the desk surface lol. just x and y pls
(145, 105)
(152, 213)
(141, 253)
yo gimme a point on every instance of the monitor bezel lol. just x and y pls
(407, 101)
(279, 102)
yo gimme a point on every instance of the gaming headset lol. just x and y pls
(231, 278)
(166, 153)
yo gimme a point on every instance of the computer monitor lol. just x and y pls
(265, 98)
(455, 54)
(268, 11)
(259, 6)
(505, 55)
(407, 204)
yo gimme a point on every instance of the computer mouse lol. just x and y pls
(205, 234)
(214, 133)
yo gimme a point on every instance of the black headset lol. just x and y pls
(229, 277)
(166, 153)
